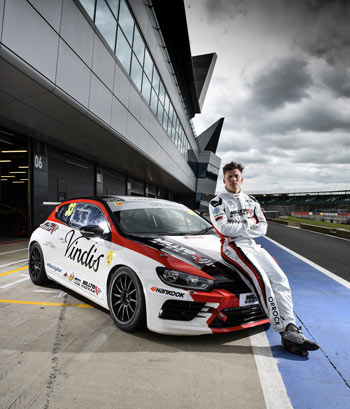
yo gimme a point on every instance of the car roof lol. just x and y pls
(134, 202)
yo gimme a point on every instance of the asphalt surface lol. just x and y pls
(58, 352)
(329, 252)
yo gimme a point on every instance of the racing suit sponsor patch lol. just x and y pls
(217, 201)
(260, 216)
(274, 311)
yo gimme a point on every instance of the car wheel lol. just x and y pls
(126, 300)
(37, 271)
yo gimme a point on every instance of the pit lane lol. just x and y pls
(60, 351)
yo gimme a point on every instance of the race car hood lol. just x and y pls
(201, 251)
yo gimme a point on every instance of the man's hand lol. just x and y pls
(254, 221)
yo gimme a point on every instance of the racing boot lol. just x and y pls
(294, 341)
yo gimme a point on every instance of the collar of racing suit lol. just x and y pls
(235, 195)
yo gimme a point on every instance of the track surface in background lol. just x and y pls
(329, 252)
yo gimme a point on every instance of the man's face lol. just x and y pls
(233, 180)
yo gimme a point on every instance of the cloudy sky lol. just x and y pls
(282, 82)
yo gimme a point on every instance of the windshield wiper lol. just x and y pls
(204, 230)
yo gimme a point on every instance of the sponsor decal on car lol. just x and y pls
(247, 299)
(191, 212)
(161, 203)
(110, 256)
(87, 258)
(77, 281)
(49, 244)
(163, 291)
(178, 249)
(118, 203)
(70, 209)
(55, 268)
(71, 277)
(49, 226)
(92, 288)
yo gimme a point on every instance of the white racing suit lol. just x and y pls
(232, 217)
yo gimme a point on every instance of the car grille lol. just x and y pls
(187, 310)
(237, 287)
(238, 316)
(181, 310)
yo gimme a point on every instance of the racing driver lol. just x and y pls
(238, 219)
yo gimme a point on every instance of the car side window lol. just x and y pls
(65, 211)
(86, 214)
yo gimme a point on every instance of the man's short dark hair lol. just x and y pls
(232, 166)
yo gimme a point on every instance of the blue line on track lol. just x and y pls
(322, 307)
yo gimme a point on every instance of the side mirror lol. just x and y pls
(93, 231)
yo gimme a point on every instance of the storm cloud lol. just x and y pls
(282, 82)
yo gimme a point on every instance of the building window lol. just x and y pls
(146, 88)
(136, 72)
(123, 51)
(138, 46)
(118, 27)
(106, 23)
(126, 21)
(89, 6)
(154, 100)
(155, 80)
(148, 65)
(114, 6)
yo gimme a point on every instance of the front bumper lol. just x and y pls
(186, 312)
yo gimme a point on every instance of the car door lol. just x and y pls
(54, 244)
(85, 256)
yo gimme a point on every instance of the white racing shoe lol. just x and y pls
(294, 341)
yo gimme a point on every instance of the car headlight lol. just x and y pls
(180, 279)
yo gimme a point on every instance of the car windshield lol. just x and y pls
(161, 221)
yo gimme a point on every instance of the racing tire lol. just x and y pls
(126, 300)
(37, 271)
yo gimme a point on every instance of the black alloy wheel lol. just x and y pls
(37, 271)
(126, 300)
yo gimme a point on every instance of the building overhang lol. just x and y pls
(33, 106)
(171, 18)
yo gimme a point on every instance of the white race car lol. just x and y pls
(148, 261)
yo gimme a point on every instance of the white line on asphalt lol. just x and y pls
(96, 341)
(59, 294)
(14, 282)
(13, 251)
(45, 291)
(275, 393)
(14, 262)
(328, 273)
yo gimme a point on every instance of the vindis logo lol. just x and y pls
(87, 258)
